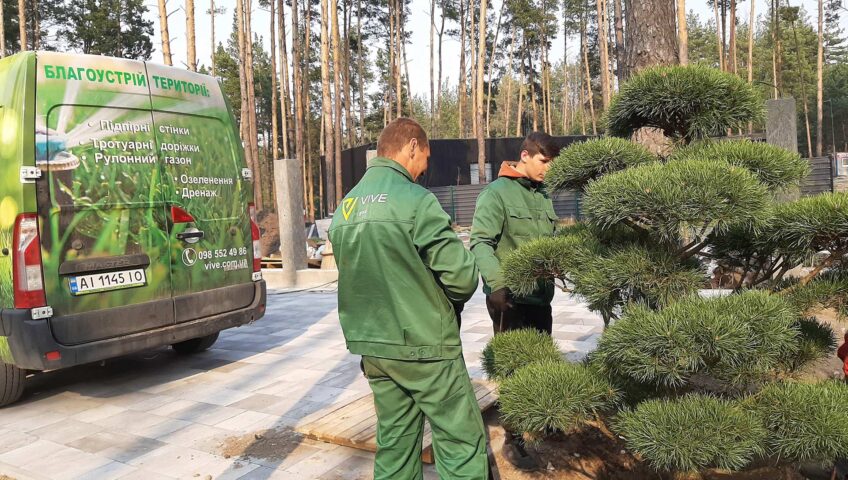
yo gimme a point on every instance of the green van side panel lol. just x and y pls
(17, 116)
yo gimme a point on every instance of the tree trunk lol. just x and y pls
(604, 47)
(274, 126)
(36, 26)
(520, 113)
(190, 36)
(682, 33)
(212, 13)
(588, 77)
(650, 32)
(22, 22)
(621, 71)
(724, 34)
(346, 72)
(461, 78)
(582, 91)
(303, 124)
(751, 20)
(244, 130)
(532, 82)
(163, 31)
(803, 83)
(733, 65)
(778, 48)
(337, 103)
(509, 84)
(473, 51)
(2, 31)
(432, 66)
(361, 64)
(390, 95)
(398, 42)
(285, 107)
(819, 83)
(327, 107)
(489, 70)
(439, 84)
(481, 62)
(651, 40)
(565, 85)
(719, 41)
(251, 98)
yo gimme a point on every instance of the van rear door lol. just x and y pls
(105, 236)
(211, 248)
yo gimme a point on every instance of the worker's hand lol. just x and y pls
(501, 299)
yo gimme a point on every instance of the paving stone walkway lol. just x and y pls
(157, 414)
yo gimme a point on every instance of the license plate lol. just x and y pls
(101, 282)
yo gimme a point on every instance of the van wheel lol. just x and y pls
(11, 384)
(196, 345)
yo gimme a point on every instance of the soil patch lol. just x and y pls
(273, 444)
(269, 232)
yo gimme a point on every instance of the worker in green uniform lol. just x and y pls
(402, 271)
(512, 210)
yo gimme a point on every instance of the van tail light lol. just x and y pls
(178, 215)
(254, 233)
(26, 263)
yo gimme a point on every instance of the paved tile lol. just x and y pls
(161, 415)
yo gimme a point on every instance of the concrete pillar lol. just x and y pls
(289, 184)
(782, 123)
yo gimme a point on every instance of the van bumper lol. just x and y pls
(27, 340)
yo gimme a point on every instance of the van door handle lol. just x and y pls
(190, 235)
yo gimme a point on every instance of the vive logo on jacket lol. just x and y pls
(349, 204)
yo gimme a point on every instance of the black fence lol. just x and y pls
(450, 160)
(449, 178)
(820, 179)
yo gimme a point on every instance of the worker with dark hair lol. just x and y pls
(512, 210)
(403, 274)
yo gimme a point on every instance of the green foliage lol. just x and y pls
(738, 339)
(828, 290)
(553, 396)
(606, 275)
(812, 224)
(672, 199)
(693, 433)
(686, 103)
(806, 422)
(816, 342)
(776, 167)
(559, 257)
(508, 351)
(582, 162)
(116, 28)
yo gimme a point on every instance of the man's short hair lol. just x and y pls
(397, 134)
(540, 142)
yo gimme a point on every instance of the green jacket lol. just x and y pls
(509, 212)
(401, 268)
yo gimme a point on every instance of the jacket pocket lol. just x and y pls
(520, 222)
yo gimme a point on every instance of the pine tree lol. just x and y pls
(115, 28)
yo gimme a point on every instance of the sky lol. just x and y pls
(418, 51)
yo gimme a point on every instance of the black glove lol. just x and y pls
(501, 299)
(457, 310)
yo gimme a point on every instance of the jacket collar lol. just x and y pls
(387, 162)
(509, 171)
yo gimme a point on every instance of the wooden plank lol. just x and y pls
(355, 424)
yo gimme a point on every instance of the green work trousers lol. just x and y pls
(407, 391)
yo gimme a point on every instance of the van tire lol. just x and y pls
(196, 345)
(11, 383)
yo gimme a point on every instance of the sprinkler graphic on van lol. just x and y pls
(50, 151)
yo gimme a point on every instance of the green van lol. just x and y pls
(126, 214)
